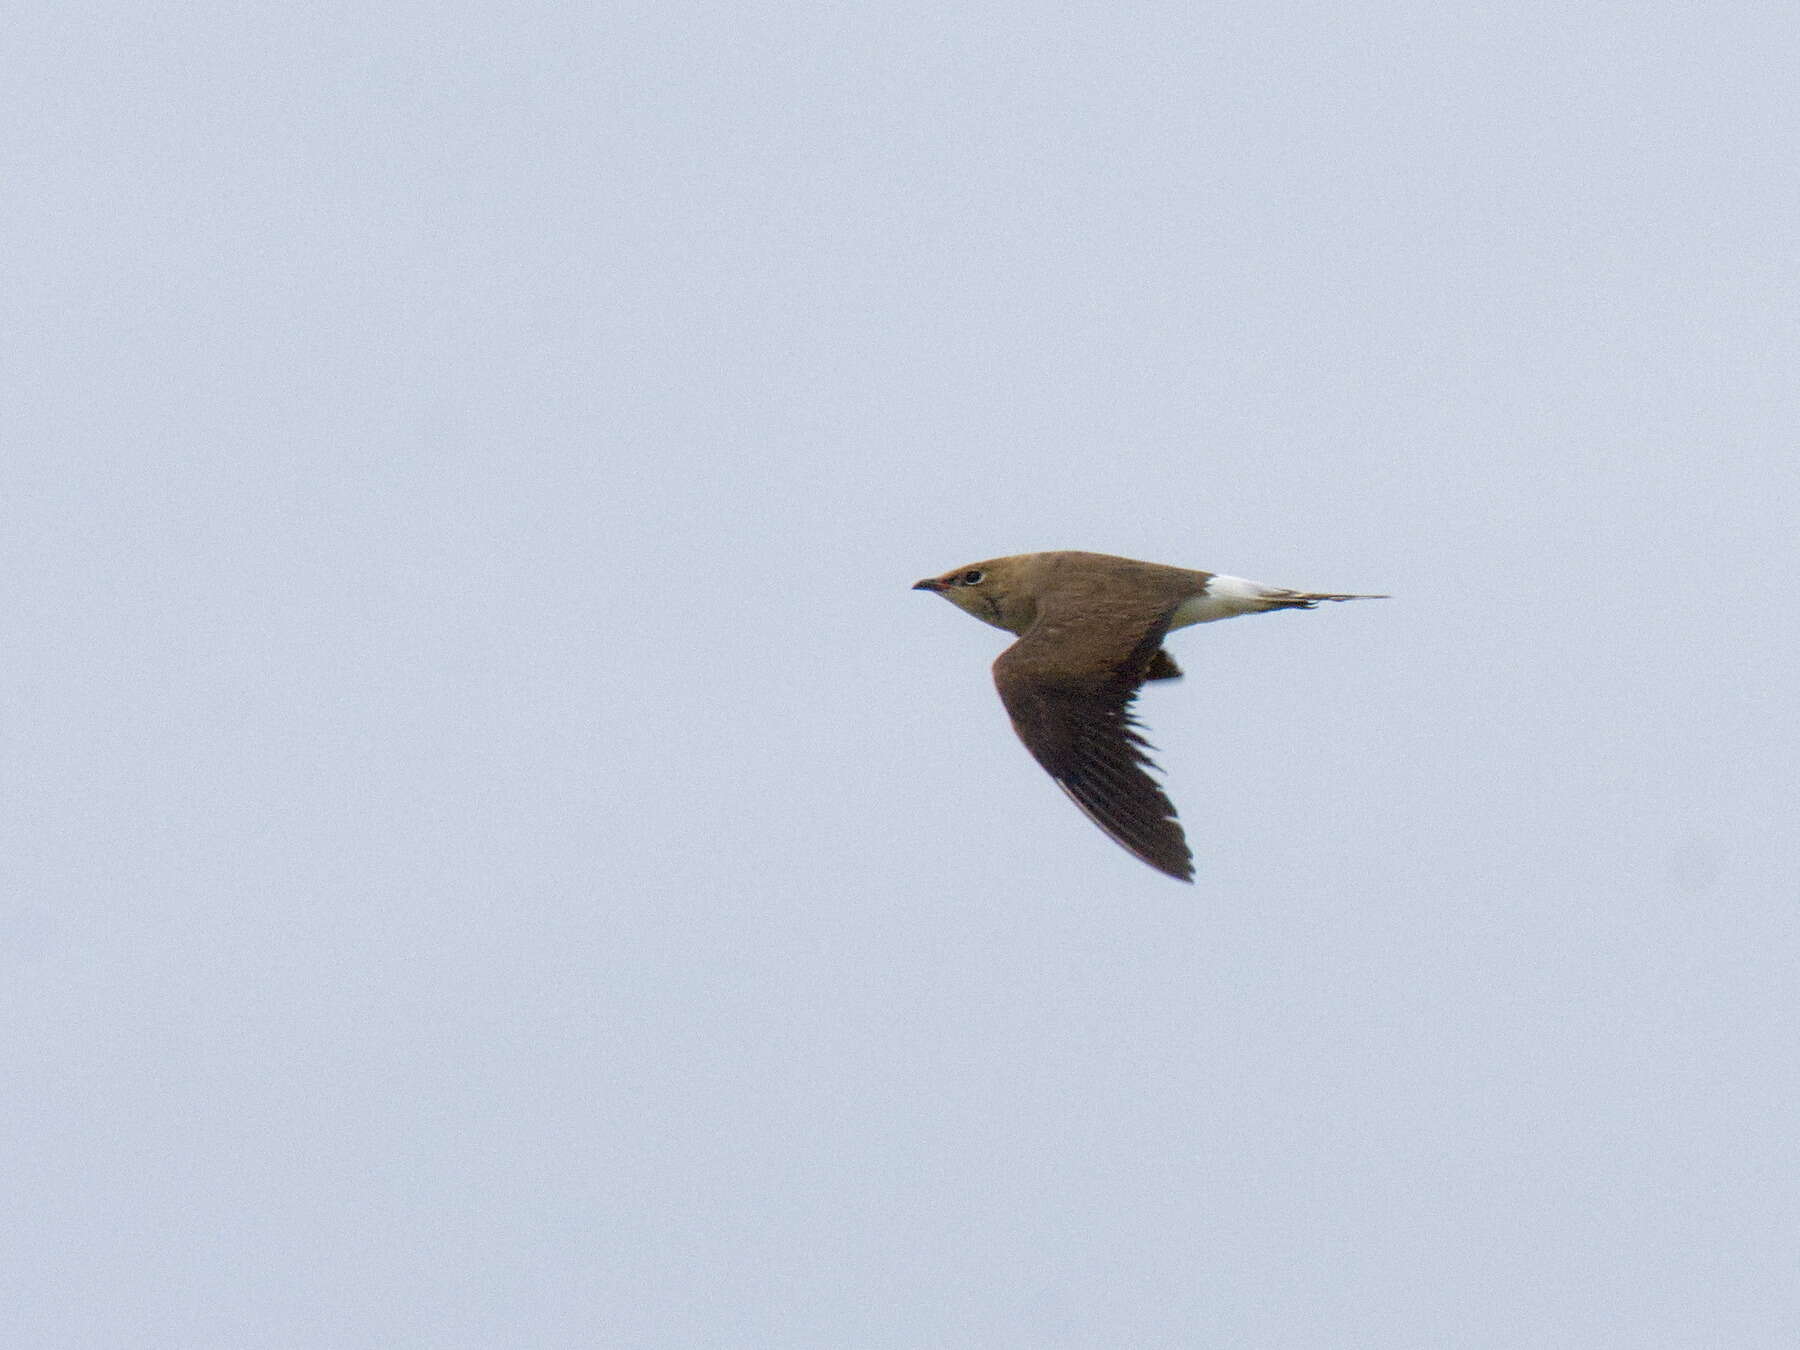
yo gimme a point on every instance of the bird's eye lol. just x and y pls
(972, 577)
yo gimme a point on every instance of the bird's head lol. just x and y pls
(996, 592)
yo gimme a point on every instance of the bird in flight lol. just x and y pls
(1090, 629)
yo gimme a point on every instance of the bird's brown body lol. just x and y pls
(1091, 628)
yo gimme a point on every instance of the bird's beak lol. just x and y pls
(929, 584)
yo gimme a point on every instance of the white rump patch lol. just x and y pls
(1224, 598)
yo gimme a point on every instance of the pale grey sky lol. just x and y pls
(495, 856)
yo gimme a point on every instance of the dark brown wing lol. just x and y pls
(1068, 687)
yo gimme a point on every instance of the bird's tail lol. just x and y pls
(1280, 599)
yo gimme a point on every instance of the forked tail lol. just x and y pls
(1276, 599)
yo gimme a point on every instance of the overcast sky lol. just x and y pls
(494, 855)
